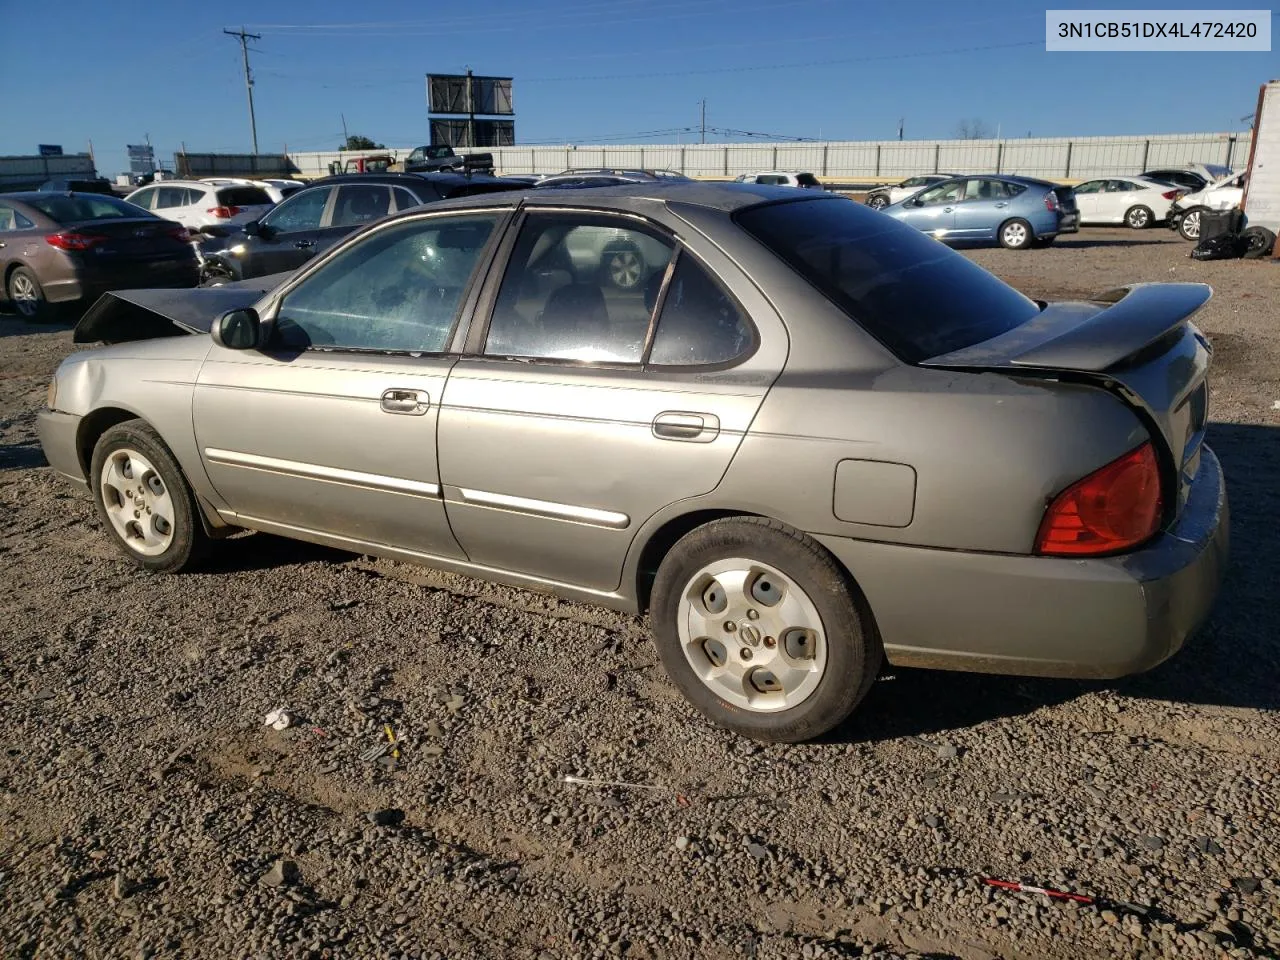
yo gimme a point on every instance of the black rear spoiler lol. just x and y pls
(1087, 336)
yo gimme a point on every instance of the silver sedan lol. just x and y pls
(804, 438)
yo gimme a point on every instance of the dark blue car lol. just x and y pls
(1016, 212)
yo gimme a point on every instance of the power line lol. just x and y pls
(248, 77)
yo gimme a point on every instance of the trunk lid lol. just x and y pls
(1136, 341)
(140, 238)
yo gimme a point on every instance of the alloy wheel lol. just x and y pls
(23, 294)
(625, 269)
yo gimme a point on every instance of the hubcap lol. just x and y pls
(137, 502)
(624, 269)
(23, 293)
(752, 635)
(878, 202)
(1015, 234)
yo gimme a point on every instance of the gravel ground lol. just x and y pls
(146, 811)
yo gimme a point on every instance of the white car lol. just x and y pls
(1136, 202)
(1226, 193)
(277, 190)
(196, 204)
(881, 197)
(781, 178)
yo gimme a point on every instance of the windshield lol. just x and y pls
(916, 296)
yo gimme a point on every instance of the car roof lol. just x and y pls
(722, 196)
(392, 177)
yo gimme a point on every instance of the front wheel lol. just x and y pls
(1016, 235)
(1138, 217)
(762, 631)
(143, 499)
(878, 201)
(1189, 225)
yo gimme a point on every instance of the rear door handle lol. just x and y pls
(1002, 203)
(413, 403)
(948, 209)
(304, 244)
(691, 427)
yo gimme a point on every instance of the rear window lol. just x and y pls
(83, 207)
(919, 298)
(243, 197)
(807, 180)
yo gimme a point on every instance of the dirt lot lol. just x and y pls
(144, 807)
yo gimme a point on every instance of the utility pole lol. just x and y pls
(471, 112)
(901, 123)
(345, 138)
(244, 39)
(704, 121)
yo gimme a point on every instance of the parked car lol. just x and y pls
(1226, 193)
(58, 250)
(1010, 486)
(197, 205)
(313, 219)
(277, 190)
(1136, 202)
(881, 197)
(781, 178)
(1016, 212)
(1193, 177)
(94, 185)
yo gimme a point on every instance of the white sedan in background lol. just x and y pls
(1136, 202)
(781, 178)
(881, 197)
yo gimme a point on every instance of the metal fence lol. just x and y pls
(30, 171)
(1058, 158)
(231, 164)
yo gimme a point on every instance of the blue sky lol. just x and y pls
(835, 69)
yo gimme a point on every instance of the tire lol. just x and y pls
(1258, 242)
(823, 634)
(1139, 217)
(1189, 225)
(623, 267)
(215, 274)
(26, 298)
(146, 486)
(1016, 234)
(877, 201)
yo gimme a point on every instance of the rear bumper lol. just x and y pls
(88, 286)
(1048, 616)
(58, 433)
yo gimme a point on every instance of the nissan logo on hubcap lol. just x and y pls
(749, 635)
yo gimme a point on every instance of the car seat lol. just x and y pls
(575, 313)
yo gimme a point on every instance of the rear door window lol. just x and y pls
(699, 323)
(916, 296)
(405, 199)
(359, 203)
(170, 197)
(144, 198)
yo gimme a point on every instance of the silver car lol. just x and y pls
(809, 439)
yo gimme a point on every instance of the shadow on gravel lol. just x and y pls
(262, 551)
(21, 456)
(11, 325)
(1083, 244)
(1233, 661)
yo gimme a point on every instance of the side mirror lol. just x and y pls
(253, 228)
(237, 329)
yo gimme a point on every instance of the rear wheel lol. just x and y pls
(144, 501)
(1189, 225)
(623, 267)
(1138, 217)
(877, 201)
(762, 630)
(26, 296)
(1016, 235)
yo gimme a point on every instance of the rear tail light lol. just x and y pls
(1171, 195)
(73, 240)
(223, 213)
(1051, 202)
(1111, 510)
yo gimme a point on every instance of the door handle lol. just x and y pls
(413, 403)
(948, 209)
(1002, 203)
(692, 427)
(304, 244)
